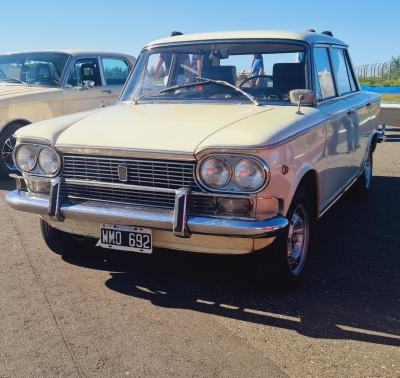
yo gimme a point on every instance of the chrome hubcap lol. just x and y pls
(297, 241)
(6, 153)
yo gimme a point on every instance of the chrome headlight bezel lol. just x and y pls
(232, 186)
(37, 170)
(228, 171)
(261, 169)
(28, 147)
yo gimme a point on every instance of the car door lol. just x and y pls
(115, 71)
(79, 97)
(338, 121)
(360, 128)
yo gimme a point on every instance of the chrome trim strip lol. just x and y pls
(25, 139)
(154, 218)
(98, 184)
(125, 152)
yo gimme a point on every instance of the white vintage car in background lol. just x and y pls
(38, 85)
(206, 160)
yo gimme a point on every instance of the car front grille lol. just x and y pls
(152, 173)
(149, 173)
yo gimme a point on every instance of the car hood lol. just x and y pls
(160, 127)
(10, 89)
(173, 127)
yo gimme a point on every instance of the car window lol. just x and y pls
(84, 69)
(116, 71)
(266, 71)
(323, 71)
(341, 71)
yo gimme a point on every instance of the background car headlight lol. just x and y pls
(48, 160)
(249, 174)
(26, 158)
(215, 172)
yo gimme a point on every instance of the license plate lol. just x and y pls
(126, 238)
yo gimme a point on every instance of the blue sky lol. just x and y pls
(370, 28)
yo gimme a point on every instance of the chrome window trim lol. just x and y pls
(74, 58)
(115, 58)
(239, 190)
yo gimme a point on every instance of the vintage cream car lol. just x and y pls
(39, 85)
(199, 160)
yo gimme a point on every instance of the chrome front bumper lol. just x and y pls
(175, 220)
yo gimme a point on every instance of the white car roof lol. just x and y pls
(75, 53)
(247, 34)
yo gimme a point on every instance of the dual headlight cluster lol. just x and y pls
(233, 173)
(37, 159)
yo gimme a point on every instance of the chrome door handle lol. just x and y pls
(107, 90)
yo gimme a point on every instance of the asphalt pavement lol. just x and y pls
(179, 314)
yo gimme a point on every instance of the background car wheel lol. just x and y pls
(7, 144)
(64, 243)
(280, 267)
(362, 187)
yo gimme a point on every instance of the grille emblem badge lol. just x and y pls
(122, 173)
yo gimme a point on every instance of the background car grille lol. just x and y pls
(150, 173)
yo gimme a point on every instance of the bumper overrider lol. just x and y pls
(175, 220)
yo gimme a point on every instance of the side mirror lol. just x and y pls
(303, 96)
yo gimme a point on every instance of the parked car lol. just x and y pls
(203, 162)
(39, 85)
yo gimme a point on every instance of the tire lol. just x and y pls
(362, 187)
(64, 243)
(280, 266)
(7, 144)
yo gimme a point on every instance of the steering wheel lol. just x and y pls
(48, 79)
(261, 90)
(254, 77)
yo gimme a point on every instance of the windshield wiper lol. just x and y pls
(136, 99)
(17, 80)
(219, 82)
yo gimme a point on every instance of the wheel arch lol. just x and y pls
(18, 121)
(310, 183)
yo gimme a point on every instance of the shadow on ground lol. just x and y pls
(351, 290)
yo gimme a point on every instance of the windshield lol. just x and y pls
(44, 69)
(265, 71)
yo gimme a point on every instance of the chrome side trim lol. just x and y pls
(154, 218)
(126, 152)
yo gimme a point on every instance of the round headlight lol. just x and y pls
(215, 172)
(26, 158)
(48, 160)
(249, 174)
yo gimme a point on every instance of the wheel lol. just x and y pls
(362, 187)
(7, 143)
(282, 264)
(64, 243)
